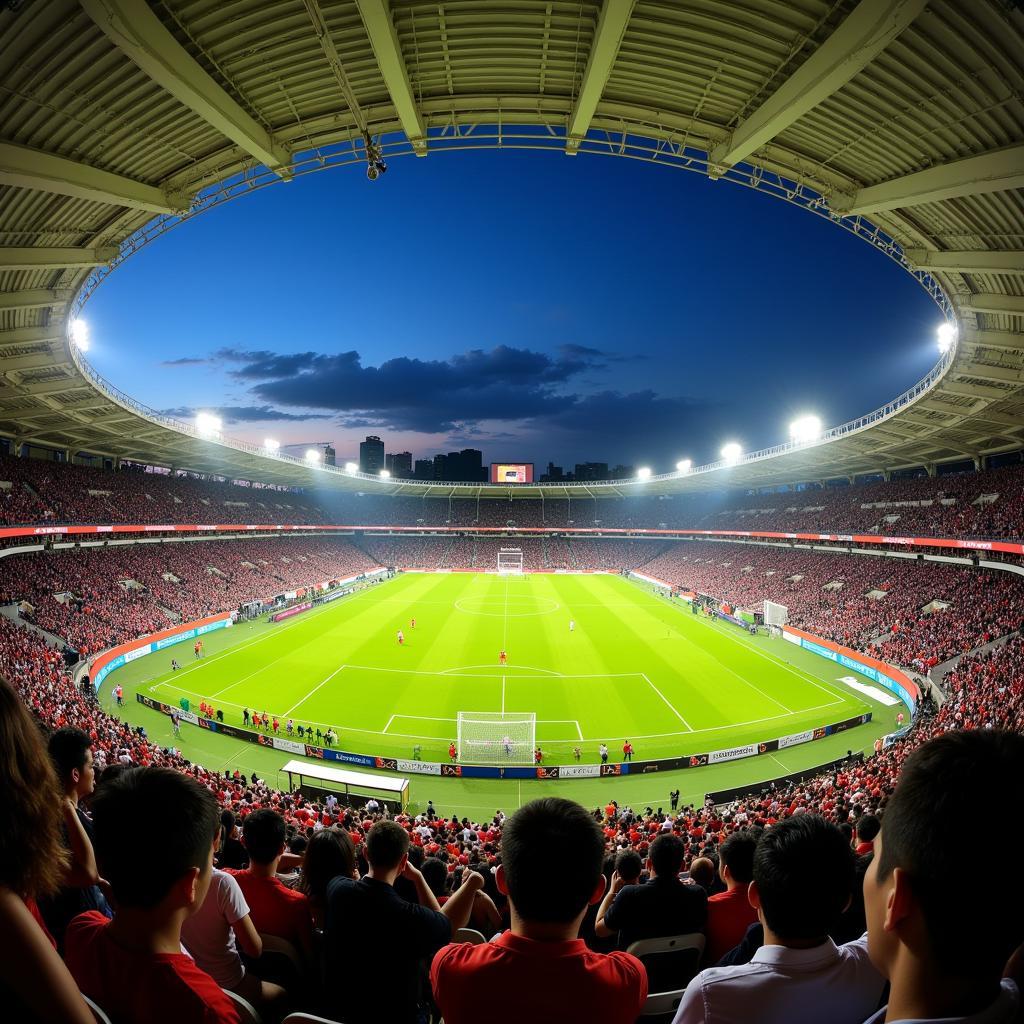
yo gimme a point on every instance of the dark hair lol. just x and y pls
(32, 854)
(68, 748)
(868, 826)
(628, 864)
(804, 870)
(436, 875)
(546, 832)
(666, 853)
(328, 854)
(702, 871)
(976, 769)
(141, 866)
(386, 843)
(264, 834)
(737, 853)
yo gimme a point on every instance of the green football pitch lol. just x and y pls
(636, 666)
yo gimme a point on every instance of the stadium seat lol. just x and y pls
(245, 1009)
(97, 1012)
(280, 962)
(671, 960)
(469, 935)
(661, 1004)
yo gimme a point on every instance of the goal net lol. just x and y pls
(494, 737)
(775, 614)
(510, 562)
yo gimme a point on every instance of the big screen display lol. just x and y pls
(511, 472)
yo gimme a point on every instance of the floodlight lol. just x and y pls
(644, 473)
(684, 465)
(946, 336)
(806, 428)
(271, 445)
(731, 452)
(80, 335)
(351, 467)
(207, 424)
(312, 455)
(385, 474)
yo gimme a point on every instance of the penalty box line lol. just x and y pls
(428, 718)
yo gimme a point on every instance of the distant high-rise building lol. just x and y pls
(371, 454)
(590, 471)
(399, 464)
(621, 472)
(555, 474)
(330, 455)
(424, 469)
(441, 467)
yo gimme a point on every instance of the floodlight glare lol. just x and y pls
(351, 467)
(684, 465)
(731, 452)
(644, 473)
(312, 455)
(385, 474)
(207, 424)
(945, 336)
(806, 428)
(80, 335)
(271, 445)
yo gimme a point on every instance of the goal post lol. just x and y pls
(495, 737)
(510, 562)
(775, 614)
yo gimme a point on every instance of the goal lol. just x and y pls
(495, 737)
(775, 614)
(510, 562)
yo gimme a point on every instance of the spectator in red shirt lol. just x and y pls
(275, 909)
(34, 983)
(552, 855)
(730, 912)
(867, 828)
(133, 966)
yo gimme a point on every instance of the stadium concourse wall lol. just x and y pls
(1005, 547)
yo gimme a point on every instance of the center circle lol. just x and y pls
(515, 606)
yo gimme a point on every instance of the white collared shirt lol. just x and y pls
(780, 985)
(1003, 1010)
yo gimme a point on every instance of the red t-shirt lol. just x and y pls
(729, 916)
(136, 987)
(275, 909)
(536, 981)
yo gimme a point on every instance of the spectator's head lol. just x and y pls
(167, 866)
(71, 752)
(867, 828)
(435, 874)
(551, 855)
(387, 847)
(629, 865)
(329, 853)
(803, 878)
(918, 908)
(666, 855)
(736, 857)
(32, 855)
(702, 871)
(264, 835)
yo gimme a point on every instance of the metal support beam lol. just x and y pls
(54, 331)
(966, 261)
(45, 257)
(989, 302)
(611, 27)
(24, 167)
(334, 61)
(139, 34)
(998, 171)
(1007, 374)
(956, 387)
(36, 362)
(388, 51)
(1011, 341)
(865, 32)
(34, 298)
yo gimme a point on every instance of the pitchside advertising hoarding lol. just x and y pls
(511, 472)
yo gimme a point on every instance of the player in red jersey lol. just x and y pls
(502, 657)
(452, 752)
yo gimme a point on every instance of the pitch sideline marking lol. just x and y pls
(671, 706)
(311, 692)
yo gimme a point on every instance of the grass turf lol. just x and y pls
(636, 667)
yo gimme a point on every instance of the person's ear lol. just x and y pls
(189, 886)
(403, 862)
(754, 896)
(499, 878)
(899, 904)
(599, 891)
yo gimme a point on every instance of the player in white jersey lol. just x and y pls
(572, 626)
(506, 742)
(401, 638)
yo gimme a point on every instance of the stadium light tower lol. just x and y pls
(805, 428)
(731, 452)
(351, 467)
(80, 335)
(271, 445)
(644, 473)
(207, 425)
(684, 465)
(945, 336)
(312, 456)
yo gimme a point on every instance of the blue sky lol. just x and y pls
(535, 306)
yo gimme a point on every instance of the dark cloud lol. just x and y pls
(185, 361)
(244, 414)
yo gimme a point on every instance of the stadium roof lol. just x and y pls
(899, 121)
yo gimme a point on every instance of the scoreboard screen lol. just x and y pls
(511, 472)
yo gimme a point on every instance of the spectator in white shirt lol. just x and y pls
(803, 880)
(944, 945)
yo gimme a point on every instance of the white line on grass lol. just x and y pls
(311, 692)
(503, 695)
(671, 706)
(388, 726)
